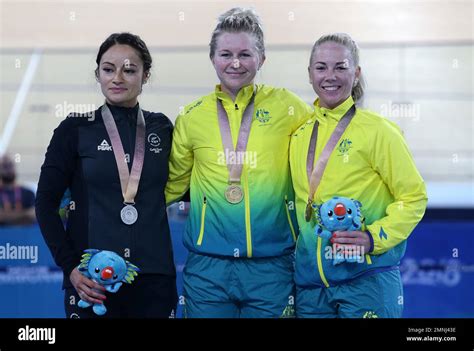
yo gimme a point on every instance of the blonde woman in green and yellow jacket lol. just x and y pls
(370, 163)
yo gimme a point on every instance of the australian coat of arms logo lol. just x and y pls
(262, 115)
(344, 146)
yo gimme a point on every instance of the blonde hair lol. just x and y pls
(238, 20)
(345, 40)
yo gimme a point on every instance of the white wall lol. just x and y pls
(417, 58)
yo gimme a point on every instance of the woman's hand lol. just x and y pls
(86, 288)
(351, 238)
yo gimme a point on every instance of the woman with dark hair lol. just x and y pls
(115, 162)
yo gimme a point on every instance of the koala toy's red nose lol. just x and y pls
(107, 273)
(339, 210)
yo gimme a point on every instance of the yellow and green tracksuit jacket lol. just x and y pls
(372, 164)
(262, 224)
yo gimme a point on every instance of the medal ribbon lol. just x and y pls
(128, 180)
(315, 175)
(235, 170)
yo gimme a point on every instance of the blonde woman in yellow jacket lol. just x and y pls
(370, 163)
(241, 228)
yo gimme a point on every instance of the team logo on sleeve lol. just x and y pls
(155, 141)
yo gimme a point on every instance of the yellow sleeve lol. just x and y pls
(299, 110)
(180, 163)
(393, 161)
(305, 114)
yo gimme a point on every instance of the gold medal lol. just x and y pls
(234, 194)
(309, 211)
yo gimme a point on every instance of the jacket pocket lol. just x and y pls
(288, 216)
(203, 217)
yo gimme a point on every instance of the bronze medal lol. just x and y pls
(234, 194)
(309, 212)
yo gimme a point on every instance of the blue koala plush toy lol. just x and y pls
(109, 270)
(339, 214)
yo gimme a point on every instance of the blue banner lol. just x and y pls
(437, 271)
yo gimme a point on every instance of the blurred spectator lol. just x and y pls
(17, 204)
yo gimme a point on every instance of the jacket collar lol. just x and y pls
(242, 98)
(127, 113)
(336, 113)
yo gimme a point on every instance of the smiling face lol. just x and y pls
(332, 74)
(121, 75)
(236, 61)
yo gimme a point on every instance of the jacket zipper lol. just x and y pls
(289, 218)
(319, 262)
(248, 229)
(368, 259)
(203, 215)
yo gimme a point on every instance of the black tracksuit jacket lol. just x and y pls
(78, 158)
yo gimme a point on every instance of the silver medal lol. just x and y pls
(129, 214)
